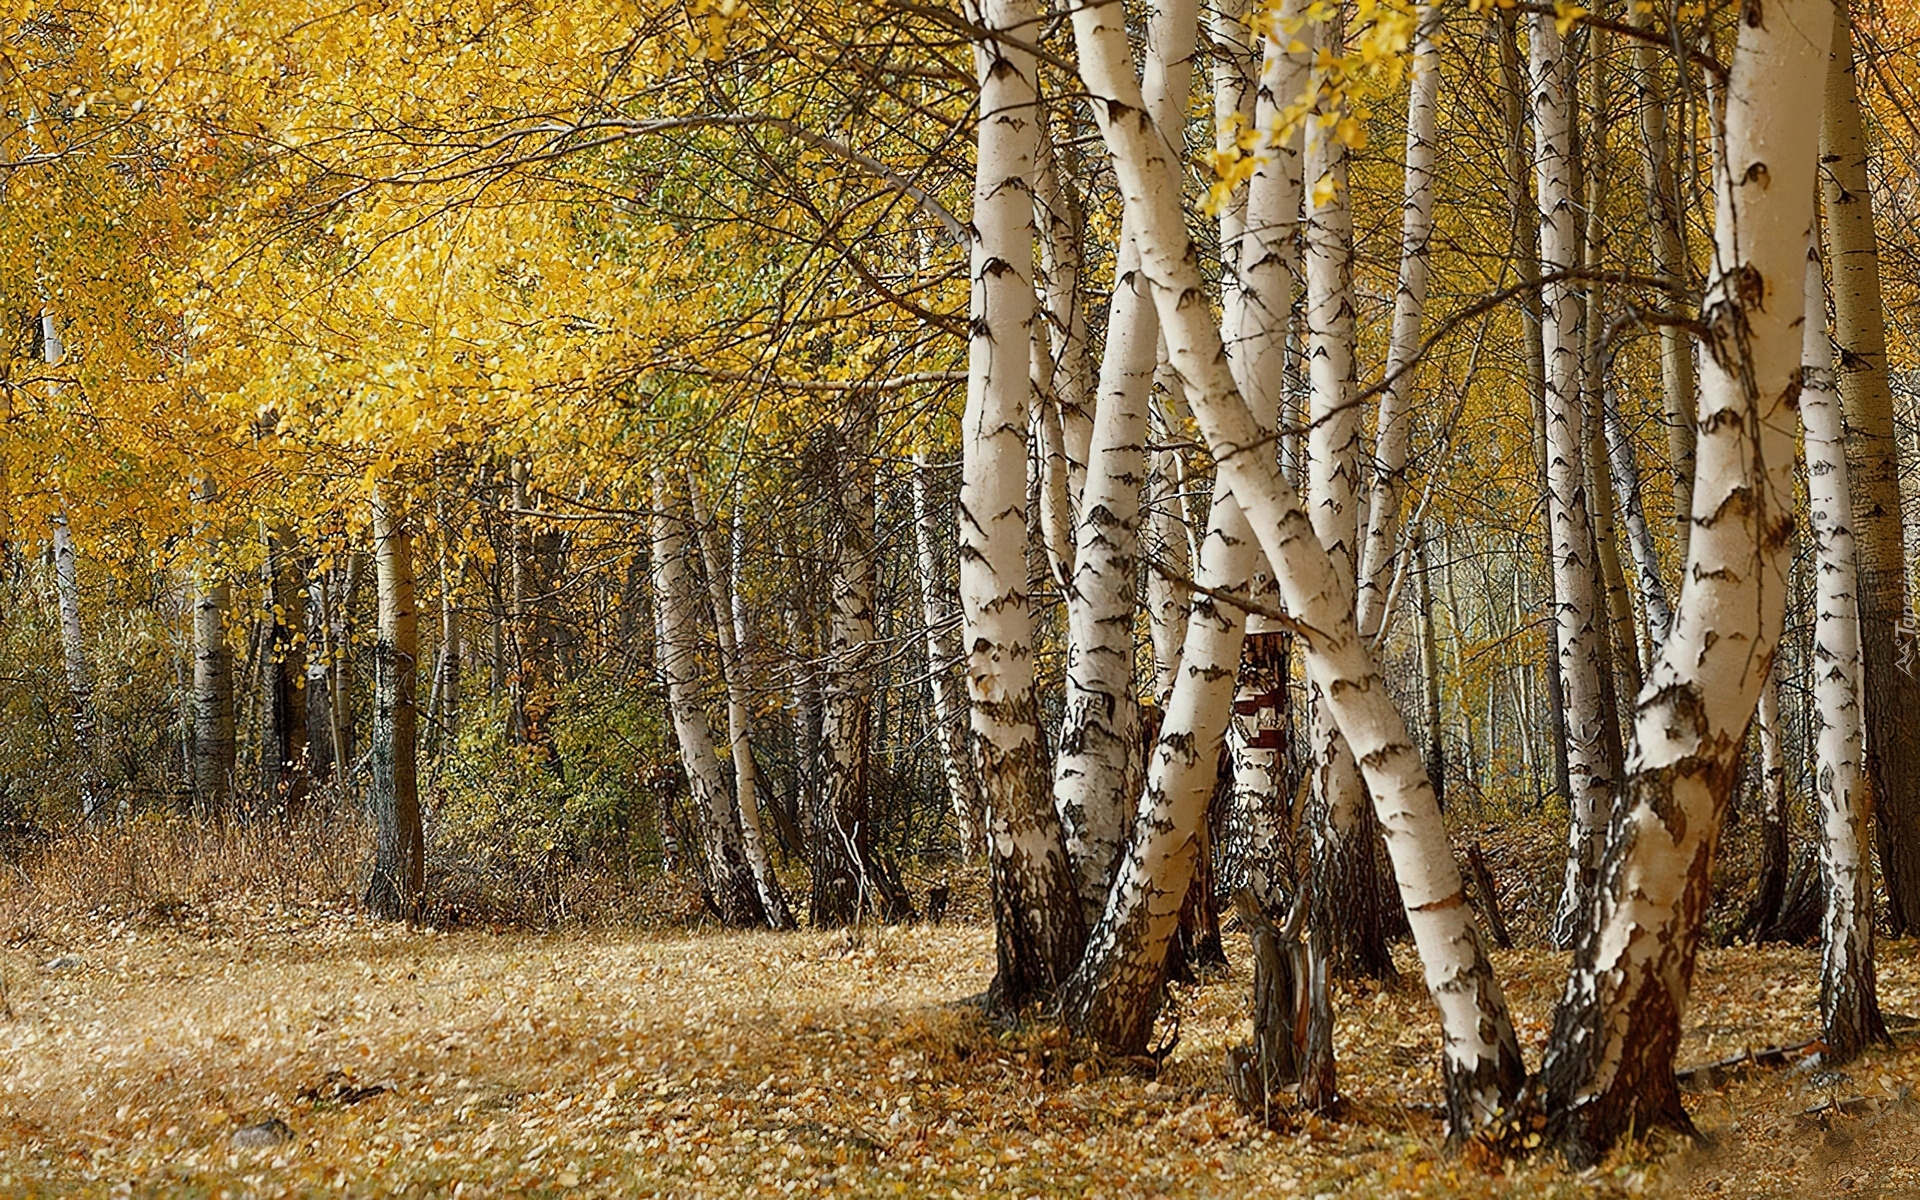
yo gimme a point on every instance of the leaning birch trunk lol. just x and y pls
(943, 657)
(1481, 1060)
(1589, 775)
(73, 650)
(213, 737)
(1097, 763)
(1393, 422)
(1609, 1063)
(730, 881)
(1859, 326)
(1849, 1005)
(1037, 918)
(1117, 993)
(399, 869)
(1347, 893)
(722, 584)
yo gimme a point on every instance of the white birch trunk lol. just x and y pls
(943, 660)
(1678, 379)
(73, 651)
(399, 880)
(73, 643)
(1062, 222)
(1890, 693)
(1482, 1058)
(1036, 904)
(1609, 1063)
(1393, 423)
(730, 624)
(1624, 461)
(213, 734)
(1096, 764)
(1589, 775)
(1116, 994)
(1346, 886)
(1849, 1006)
(729, 877)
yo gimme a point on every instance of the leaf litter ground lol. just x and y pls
(148, 1055)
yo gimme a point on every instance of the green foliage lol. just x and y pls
(519, 817)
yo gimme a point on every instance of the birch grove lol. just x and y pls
(926, 464)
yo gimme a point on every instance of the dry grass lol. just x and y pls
(609, 1062)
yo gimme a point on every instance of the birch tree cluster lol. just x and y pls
(1170, 460)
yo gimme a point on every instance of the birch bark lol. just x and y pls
(1873, 465)
(1609, 1063)
(1037, 917)
(1482, 1059)
(729, 620)
(399, 880)
(1097, 762)
(1849, 1004)
(213, 737)
(1392, 422)
(943, 659)
(730, 880)
(1589, 775)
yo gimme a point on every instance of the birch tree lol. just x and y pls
(1481, 1061)
(730, 625)
(399, 880)
(730, 879)
(1609, 1062)
(1037, 914)
(1578, 640)
(1849, 1004)
(1859, 327)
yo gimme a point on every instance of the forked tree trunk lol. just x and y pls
(1097, 761)
(730, 882)
(1609, 1063)
(1482, 1057)
(1116, 994)
(1037, 918)
(399, 879)
(943, 660)
(1849, 1001)
(1873, 464)
(1589, 772)
(729, 622)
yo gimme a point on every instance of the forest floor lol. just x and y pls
(146, 1052)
